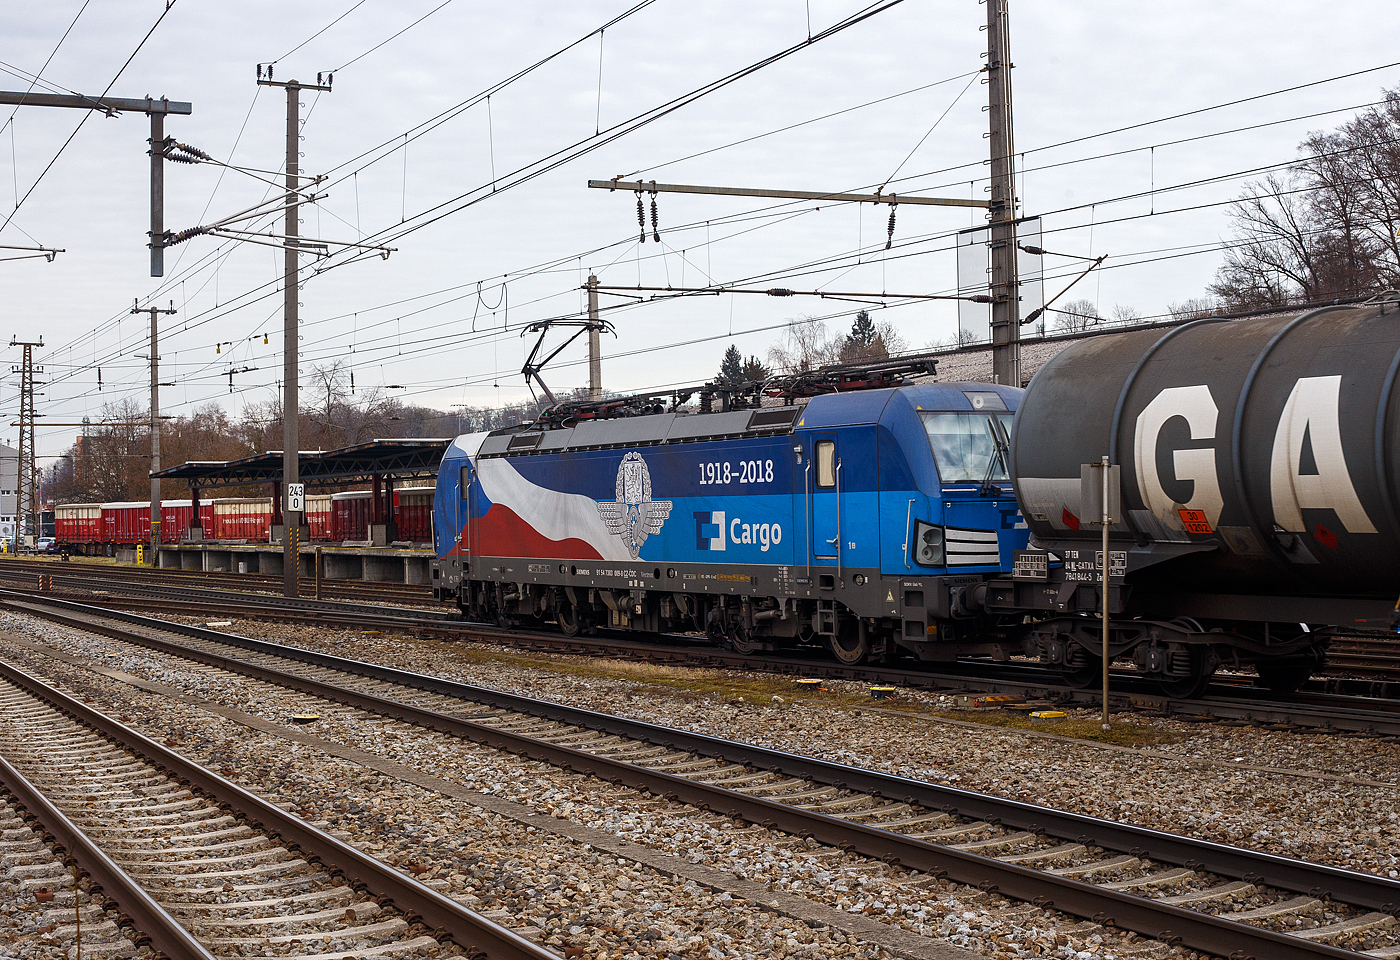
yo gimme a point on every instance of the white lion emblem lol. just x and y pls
(634, 516)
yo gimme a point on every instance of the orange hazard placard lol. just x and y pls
(1195, 521)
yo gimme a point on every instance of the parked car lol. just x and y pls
(46, 545)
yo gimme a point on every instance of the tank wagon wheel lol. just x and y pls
(1193, 684)
(1282, 676)
(849, 644)
(1085, 675)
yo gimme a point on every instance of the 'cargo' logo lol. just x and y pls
(765, 534)
(709, 530)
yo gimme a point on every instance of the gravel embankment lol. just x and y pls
(501, 863)
(1324, 797)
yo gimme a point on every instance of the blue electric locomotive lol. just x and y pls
(852, 520)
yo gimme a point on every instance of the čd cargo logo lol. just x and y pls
(634, 515)
(710, 527)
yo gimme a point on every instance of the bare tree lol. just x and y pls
(1193, 309)
(1122, 313)
(805, 345)
(1328, 228)
(1274, 261)
(1075, 316)
(961, 338)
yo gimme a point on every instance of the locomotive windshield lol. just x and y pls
(963, 445)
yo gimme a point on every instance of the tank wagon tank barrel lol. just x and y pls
(1259, 480)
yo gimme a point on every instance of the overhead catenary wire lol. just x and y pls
(392, 38)
(1122, 152)
(170, 4)
(356, 6)
(1154, 191)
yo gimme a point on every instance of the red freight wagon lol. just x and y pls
(175, 519)
(126, 523)
(242, 519)
(413, 508)
(77, 523)
(350, 515)
(318, 515)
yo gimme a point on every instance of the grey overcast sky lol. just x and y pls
(442, 316)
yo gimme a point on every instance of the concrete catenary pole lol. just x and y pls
(158, 238)
(27, 513)
(595, 345)
(155, 419)
(291, 441)
(1006, 313)
(291, 336)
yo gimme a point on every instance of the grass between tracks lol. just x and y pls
(689, 682)
(1128, 731)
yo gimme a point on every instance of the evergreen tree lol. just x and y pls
(863, 331)
(755, 371)
(864, 341)
(731, 368)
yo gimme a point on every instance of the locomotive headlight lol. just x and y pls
(928, 544)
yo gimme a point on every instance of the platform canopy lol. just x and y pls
(407, 459)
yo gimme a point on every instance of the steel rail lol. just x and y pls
(447, 918)
(150, 919)
(1143, 915)
(12, 569)
(1333, 710)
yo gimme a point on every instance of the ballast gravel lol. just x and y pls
(1153, 788)
(1335, 803)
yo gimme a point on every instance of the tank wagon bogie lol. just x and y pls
(760, 528)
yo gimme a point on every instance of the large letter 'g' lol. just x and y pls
(1196, 465)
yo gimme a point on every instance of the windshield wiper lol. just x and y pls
(1002, 456)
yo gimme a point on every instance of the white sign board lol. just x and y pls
(296, 497)
(974, 277)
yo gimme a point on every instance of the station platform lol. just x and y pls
(406, 563)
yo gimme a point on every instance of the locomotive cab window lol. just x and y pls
(964, 447)
(826, 463)
(464, 482)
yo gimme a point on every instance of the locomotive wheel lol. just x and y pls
(1283, 677)
(1194, 684)
(849, 645)
(568, 619)
(740, 641)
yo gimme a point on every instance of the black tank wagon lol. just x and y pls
(1260, 465)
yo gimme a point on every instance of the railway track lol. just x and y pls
(1224, 900)
(77, 573)
(201, 868)
(1369, 708)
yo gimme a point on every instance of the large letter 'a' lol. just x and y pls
(1311, 415)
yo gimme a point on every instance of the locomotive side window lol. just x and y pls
(465, 480)
(826, 463)
(963, 446)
